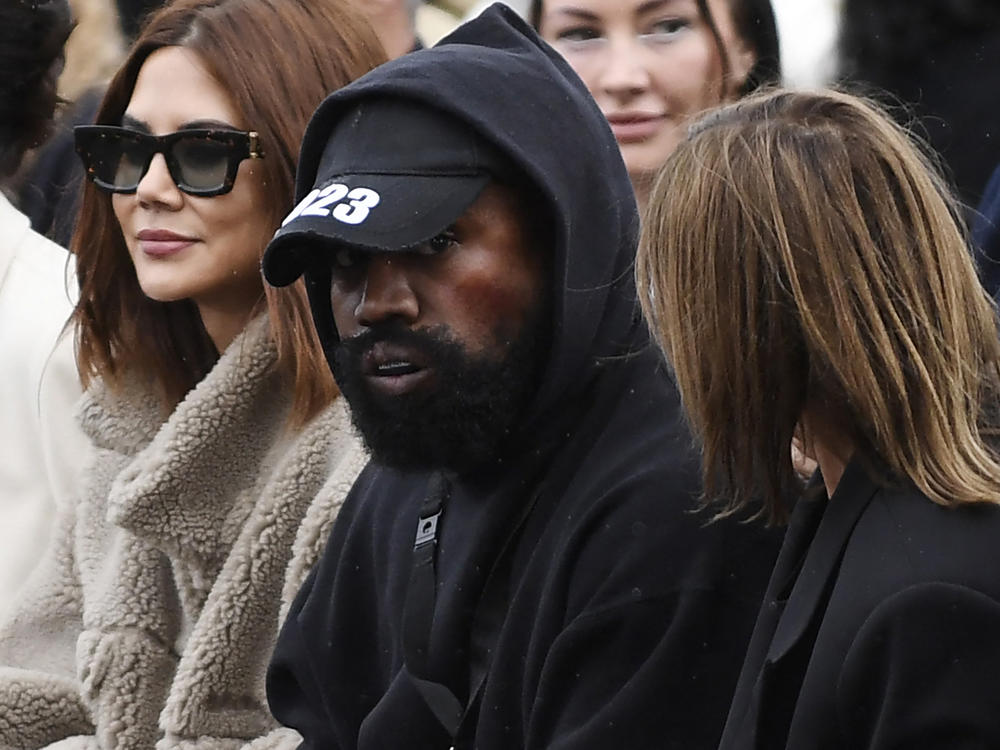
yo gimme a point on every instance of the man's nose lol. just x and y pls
(387, 292)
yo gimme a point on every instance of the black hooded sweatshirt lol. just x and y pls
(617, 617)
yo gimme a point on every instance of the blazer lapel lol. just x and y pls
(809, 559)
(741, 724)
(823, 558)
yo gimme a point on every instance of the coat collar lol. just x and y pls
(183, 476)
(822, 559)
(817, 536)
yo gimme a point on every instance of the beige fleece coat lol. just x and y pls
(152, 620)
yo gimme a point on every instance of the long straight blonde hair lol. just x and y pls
(800, 250)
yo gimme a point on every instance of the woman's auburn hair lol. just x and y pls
(278, 59)
(801, 251)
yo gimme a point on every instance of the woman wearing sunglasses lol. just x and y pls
(222, 450)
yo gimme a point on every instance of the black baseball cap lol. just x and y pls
(394, 173)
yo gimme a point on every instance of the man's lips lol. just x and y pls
(386, 359)
(393, 369)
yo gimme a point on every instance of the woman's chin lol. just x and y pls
(649, 154)
(164, 292)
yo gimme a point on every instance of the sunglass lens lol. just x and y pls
(203, 163)
(115, 162)
(131, 166)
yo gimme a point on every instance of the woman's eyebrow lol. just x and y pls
(208, 124)
(580, 13)
(652, 5)
(648, 7)
(134, 124)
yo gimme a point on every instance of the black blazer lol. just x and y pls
(880, 628)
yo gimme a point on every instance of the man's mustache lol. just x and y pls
(431, 341)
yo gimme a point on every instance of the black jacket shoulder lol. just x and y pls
(883, 641)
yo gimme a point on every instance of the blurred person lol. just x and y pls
(42, 450)
(436, 20)
(853, 319)
(133, 13)
(470, 278)
(395, 22)
(652, 65)
(94, 50)
(49, 187)
(937, 58)
(986, 235)
(48, 190)
(222, 448)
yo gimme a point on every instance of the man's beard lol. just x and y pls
(462, 420)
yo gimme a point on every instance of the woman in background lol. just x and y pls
(652, 65)
(804, 270)
(222, 448)
(48, 189)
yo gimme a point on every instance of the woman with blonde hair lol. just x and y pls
(222, 449)
(804, 269)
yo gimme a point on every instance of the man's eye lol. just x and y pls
(437, 244)
(344, 258)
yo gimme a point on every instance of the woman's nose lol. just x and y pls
(624, 72)
(157, 186)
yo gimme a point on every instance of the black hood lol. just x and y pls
(567, 574)
(498, 78)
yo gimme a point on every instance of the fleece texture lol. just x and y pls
(151, 621)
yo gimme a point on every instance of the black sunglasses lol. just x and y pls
(201, 162)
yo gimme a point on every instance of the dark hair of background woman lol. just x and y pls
(32, 35)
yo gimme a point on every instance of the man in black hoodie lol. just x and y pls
(518, 566)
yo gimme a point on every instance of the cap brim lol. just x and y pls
(411, 209)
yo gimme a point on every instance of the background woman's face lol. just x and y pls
(650, 64)
(206, 249)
